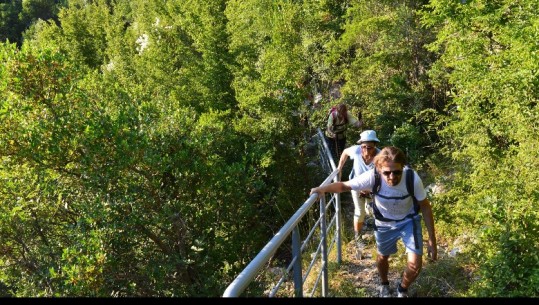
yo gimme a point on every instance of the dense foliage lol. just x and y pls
(489, 55)
(151, 148)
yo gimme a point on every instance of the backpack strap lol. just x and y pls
(337, 128)
(376, 186)
(374, 192)
(409, 187)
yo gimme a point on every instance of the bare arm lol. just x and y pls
(356, 122)
(428, 218)
(336, 187)
(344, 156)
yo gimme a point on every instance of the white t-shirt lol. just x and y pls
(391, 208)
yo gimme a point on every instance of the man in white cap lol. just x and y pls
(363, 155)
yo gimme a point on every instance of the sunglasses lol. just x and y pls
(395, 173)
(367, 147)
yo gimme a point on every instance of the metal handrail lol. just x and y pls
(291, 228)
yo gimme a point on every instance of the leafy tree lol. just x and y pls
(10, 27)
(384, 64)
(488, 55)
(33, 10)
(17, 16)
(116, 135)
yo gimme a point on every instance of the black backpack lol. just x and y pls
(409, 176)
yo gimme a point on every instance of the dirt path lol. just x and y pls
(362, 272)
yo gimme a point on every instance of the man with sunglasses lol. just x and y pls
(363, 156)
(399, 218)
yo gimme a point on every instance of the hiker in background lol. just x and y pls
(338, 120)
(363, 155)
(396, 216)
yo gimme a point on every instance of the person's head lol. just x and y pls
(390, 164)
(342, 110)
(368, 149)
(368, 142)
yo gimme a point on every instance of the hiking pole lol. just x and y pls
(360, 119)
(337, 153)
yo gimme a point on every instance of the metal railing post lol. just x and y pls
(296, 252)
(323, 241)
(338, 224)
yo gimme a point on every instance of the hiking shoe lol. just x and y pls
(360, 244)
(403, 294)
(369, 223)
(368, 209)
(385, 292)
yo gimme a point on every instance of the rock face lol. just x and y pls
(434, 189)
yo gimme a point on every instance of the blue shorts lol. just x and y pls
(388, 234)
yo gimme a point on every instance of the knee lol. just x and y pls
(359, 214)
(359, 211)
(359, 217)
(382, 258)
(415, 266)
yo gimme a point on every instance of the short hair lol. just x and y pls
(390, 154)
